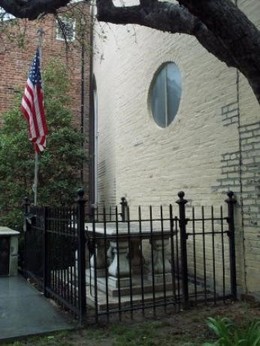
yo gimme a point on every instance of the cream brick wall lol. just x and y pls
(200, 152)
(250, 177)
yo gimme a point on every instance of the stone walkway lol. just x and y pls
(25, 311)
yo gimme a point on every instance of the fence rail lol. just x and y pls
(114, 261)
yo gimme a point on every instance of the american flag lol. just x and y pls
(33, 106)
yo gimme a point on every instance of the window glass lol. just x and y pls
(166, 94)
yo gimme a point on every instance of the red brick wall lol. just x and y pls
(15, 61)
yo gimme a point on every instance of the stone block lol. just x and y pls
(12, 235)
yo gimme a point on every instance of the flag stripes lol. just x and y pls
(33, 106)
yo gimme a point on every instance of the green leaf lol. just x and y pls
(59, 164)
(230, 335)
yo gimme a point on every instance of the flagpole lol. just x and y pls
(40, 34)
(35, 184)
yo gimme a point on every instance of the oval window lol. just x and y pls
(166, 94)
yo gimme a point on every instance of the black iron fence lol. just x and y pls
(55, 252)
(119, 260)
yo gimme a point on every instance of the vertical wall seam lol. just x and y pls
(240, 178)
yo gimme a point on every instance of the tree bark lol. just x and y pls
(240, 37)
(219, 26)
(31, 9)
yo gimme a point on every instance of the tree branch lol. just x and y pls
(31, 9)
(236, 32)
(164, 16)
(220, 26)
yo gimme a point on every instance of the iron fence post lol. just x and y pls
(232, 250)
(27, 228)
(46, 267)
(183, 242)
(26, 207)
(124, 206)
(81, 255)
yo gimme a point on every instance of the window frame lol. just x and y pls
(165, 120)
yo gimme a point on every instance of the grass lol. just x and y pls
(145, 334)
(188, 328)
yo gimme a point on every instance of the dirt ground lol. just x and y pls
(187, 328)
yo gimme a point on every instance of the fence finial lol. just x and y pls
(231, 197)
(81, 193)
(124, 206)
(181, 199)
(181, 194)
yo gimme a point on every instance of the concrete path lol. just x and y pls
(25, 311)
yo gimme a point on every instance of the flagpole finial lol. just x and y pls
(40, 34)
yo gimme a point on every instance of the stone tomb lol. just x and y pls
(112, 275)
(8, 251)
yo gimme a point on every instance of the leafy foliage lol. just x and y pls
(59, 164)
(230, 335)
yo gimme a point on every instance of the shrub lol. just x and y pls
(230, 335)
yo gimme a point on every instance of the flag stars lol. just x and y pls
(35, 74)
